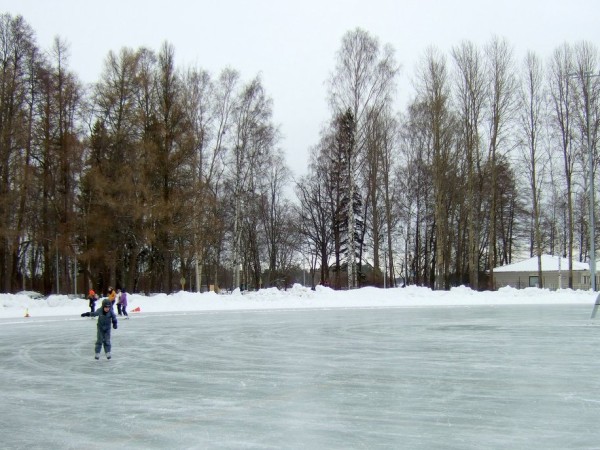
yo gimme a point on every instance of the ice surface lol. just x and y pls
(456, 377)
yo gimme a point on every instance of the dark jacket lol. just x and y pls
(105, 318)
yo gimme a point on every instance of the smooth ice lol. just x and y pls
(509, 377)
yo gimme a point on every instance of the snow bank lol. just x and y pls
(17, 305)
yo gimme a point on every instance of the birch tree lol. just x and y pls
(532, 109)
(560, 67)
(470, 100)
(501, 106)
(252, 143)
(434, 93)
(586, 84)
(198, 104)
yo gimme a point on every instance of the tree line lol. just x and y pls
(153, 178)
(489, 161)
(156, 178)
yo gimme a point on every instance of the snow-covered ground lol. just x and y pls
(297, 297)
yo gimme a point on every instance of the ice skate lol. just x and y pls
(97, 356)
(108, 355)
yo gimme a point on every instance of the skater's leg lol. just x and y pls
(107, 344)
(98, 345)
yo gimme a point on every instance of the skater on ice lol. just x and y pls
(106, 316)
(112, 296)
(122, 304)
(92, 297)
(118, 301)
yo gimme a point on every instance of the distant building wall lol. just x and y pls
(550, 279)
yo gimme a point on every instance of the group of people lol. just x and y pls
(119, 297)
(106, 317)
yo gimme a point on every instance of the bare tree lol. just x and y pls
(470, 99)
(561, 66)
(381, 160)
(253, 139)
(586, 85)
(223, 104)
(531, 120)
(17, 48)
(68, 98)
(198, 109)
(314, 219)
(416, 193)
(501, 105)
(389, 162)
(57, 140)
(434, 93)
(276, 220)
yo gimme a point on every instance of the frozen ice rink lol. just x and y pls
(504, 377)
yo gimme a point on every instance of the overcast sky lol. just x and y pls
(292, 44)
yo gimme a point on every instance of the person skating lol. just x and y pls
(106, 316)
(92, 297)
(122, 304)
(112, 296)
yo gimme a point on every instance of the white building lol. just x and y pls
(555, 274)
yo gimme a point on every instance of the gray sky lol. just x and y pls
(292, 44)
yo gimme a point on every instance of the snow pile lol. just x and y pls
(297, 297)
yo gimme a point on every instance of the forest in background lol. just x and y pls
(157, 178)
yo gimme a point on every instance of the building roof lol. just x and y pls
(549, 264)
